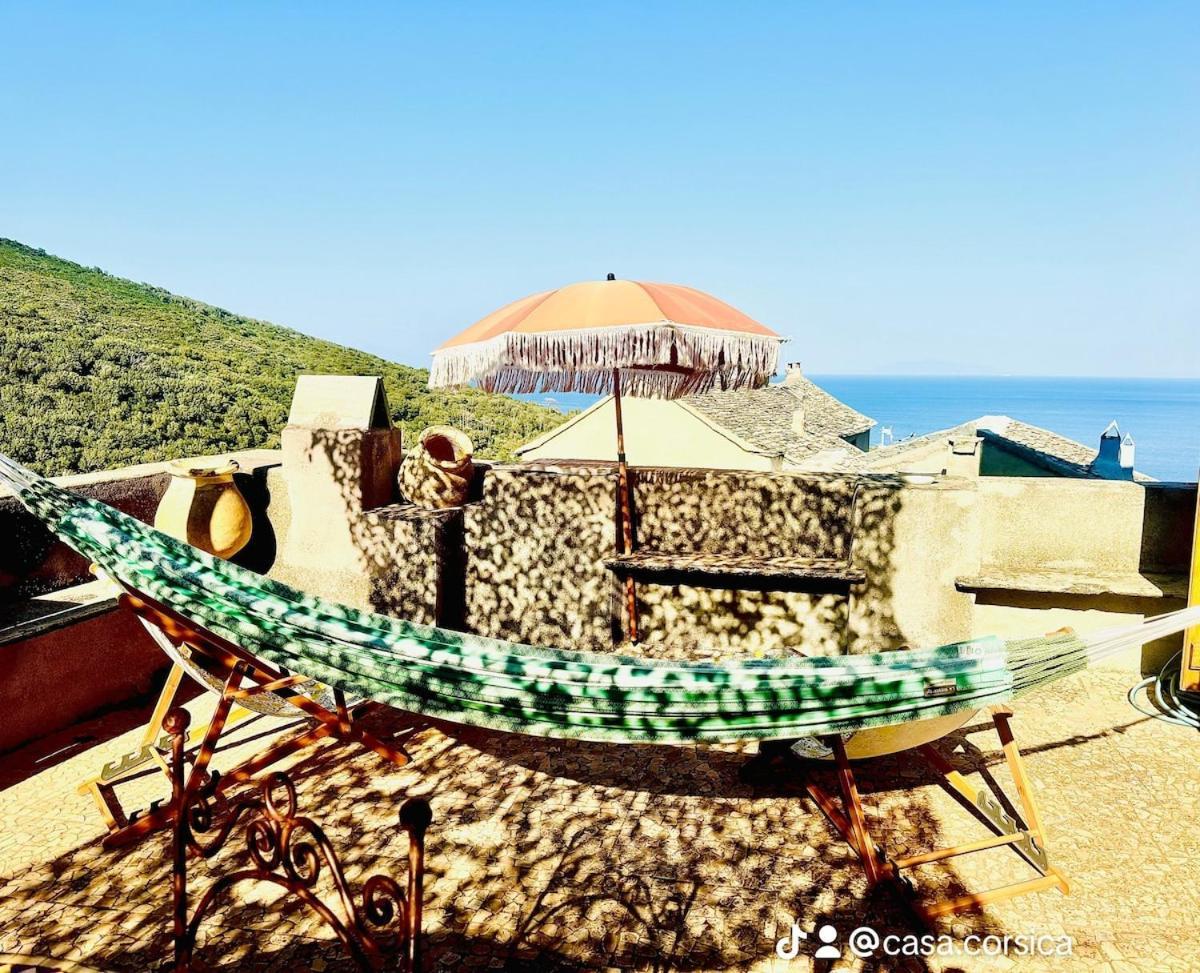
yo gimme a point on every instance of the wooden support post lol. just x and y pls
(166, 698)
(1016, 766)
(973, 901)
(862, 842)
(625, 502)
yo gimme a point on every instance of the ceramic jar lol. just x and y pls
(204, 507)
(437, 473)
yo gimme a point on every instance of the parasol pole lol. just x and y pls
(626, 505)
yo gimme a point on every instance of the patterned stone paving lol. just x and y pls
(555, 856)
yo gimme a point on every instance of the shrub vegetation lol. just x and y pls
(98, 372)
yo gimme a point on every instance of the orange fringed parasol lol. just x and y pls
(666, 339)
(647, 340)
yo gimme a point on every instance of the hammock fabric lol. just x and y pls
(550, 692)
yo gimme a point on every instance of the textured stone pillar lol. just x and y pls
(340, 459)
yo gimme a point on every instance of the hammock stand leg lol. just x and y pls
(238, 666)
(1028, 840)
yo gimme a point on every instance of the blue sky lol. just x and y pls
(902, 188)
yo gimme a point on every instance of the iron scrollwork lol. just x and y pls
(291, 852)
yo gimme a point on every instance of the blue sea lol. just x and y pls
(1162, 415)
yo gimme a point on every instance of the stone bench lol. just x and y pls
(735, 568)
(825, 566)
(1125, 584)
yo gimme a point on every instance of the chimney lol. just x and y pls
(1115, 459)
(1126, 456)
(793, 374)
(964, 455)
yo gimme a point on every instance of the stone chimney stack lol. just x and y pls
(1115, 459)
(793, 377)
(793, 374)
(1126, 456)
(340, 459)
(964, 454)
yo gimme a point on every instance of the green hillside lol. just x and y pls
(97, 372)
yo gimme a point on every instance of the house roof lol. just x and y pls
(762, 420)
(1059, 452)
(1065, 456)
(1073, 458)
(765, 418)
(884, 458)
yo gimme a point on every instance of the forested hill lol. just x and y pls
(98, 372)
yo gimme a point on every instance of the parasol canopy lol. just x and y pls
(648, 340)
(666, 340)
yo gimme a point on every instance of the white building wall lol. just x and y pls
(658, 432)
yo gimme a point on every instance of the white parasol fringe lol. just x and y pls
(583, 361)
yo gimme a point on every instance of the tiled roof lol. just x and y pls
(1058, 453)
(883, 458)
(1072, 458)
(764, 417)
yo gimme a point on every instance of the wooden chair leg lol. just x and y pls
(240, 668)
(107, 803)
(138, 763)
(1026, 840)
(102, 788)
(166, 698)
(977, 900)
(850, 820)
(339, 725)
(159, 816)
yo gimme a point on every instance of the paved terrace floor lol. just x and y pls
(553, 856)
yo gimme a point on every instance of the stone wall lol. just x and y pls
(537, 539)
(524, 560)
(1089, 554)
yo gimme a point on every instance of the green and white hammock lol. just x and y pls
(552, 692)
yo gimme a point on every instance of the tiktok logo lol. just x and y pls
(789, 946)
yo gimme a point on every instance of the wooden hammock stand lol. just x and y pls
(245, 676)
(1027, 839)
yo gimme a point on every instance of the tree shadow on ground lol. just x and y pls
(572, 856)
(548, 854)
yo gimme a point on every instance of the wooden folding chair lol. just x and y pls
(242, 677)
(1027, 839)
